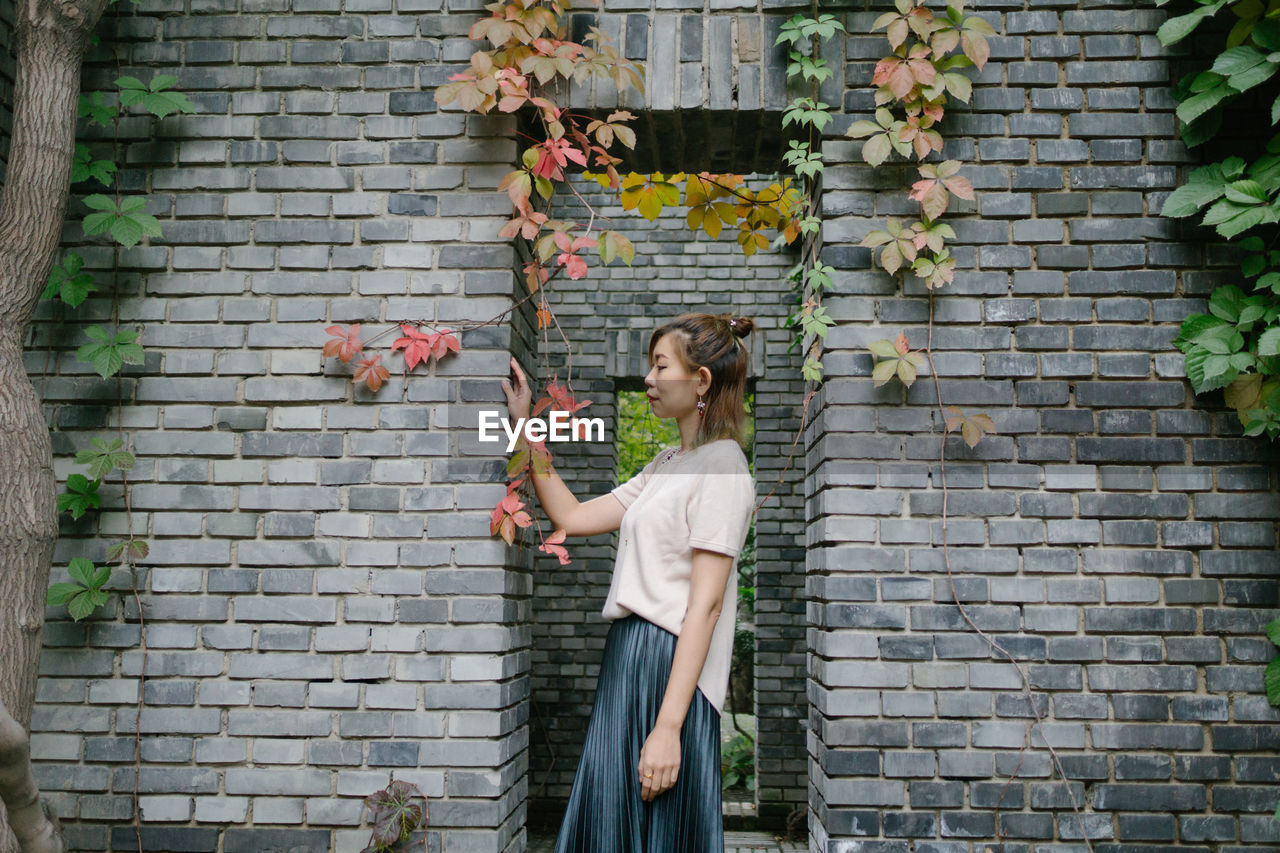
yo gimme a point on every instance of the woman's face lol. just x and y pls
(672, 392)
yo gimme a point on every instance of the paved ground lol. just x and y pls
(734, 842)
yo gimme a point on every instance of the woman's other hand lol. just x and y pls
(660, 756)
(519, 397)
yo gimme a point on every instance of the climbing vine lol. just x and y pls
(919, 75)
(120, 219)
(1236, 345)
(528, 68)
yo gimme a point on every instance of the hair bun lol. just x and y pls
(740, 326)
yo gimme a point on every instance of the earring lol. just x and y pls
(701, 406)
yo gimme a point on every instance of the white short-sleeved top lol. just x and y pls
(680, 501)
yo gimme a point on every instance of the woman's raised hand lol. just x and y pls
(520, 397)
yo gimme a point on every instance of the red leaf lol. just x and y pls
(552, 546)
(417, 346)
(576, 266)
(346, 343)
(372, 373)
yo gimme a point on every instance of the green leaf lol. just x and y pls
(98, 201)
(1246, 192)
(883, 348)
(1176, 29)
(61, 593)
(1199, 104)
(1204, 185)
(1246, 220)
(1250, 314)
(1225, 303)
(1273, 632)
(1271, 681)
(68, 282)
(859, 129)
(96, 110)
(104, 458)
(1245, 67)
(884, 371)
(81, 570)
(876, 149)
(958, 86)
(1269, 342)
(1202, 129)
(80, 606)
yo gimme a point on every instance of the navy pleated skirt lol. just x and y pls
(606, 812)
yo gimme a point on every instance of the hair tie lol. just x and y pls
(731, 322)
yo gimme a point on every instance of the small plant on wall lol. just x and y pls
(395, 812)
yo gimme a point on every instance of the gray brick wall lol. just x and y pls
(325, 608)
(1117, 536)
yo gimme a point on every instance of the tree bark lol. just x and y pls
(50, 39)
(32, 819)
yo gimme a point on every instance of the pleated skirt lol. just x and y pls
(606, 812)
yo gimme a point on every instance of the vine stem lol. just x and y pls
(946, 561)
(127, 551)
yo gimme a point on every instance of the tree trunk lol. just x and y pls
(50, 39)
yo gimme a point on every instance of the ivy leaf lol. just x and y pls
(137, 547)
(84, 167)
(157, 98)
(973, 42)
(103, 458)
(1176, 29)
(109, 353)
(68, 282)
(83, 596)
(1225, 303)
(972, 427)
(876, 149)
(1269, 342)
(1208, 371)
(1231, 219)
(1202, 129)
(1204, 185)
(126, 223)
(1244, 67)
(650, 193)
(96, 110)
(80, 497)
(615, 245)
(1271, 681)
(1273, 632)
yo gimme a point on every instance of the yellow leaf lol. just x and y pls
(649, 205)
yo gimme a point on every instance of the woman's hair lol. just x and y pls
(707, 340)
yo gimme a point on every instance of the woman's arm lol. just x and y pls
(706, 597)
(555, 497)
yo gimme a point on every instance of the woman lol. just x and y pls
(649, 777)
